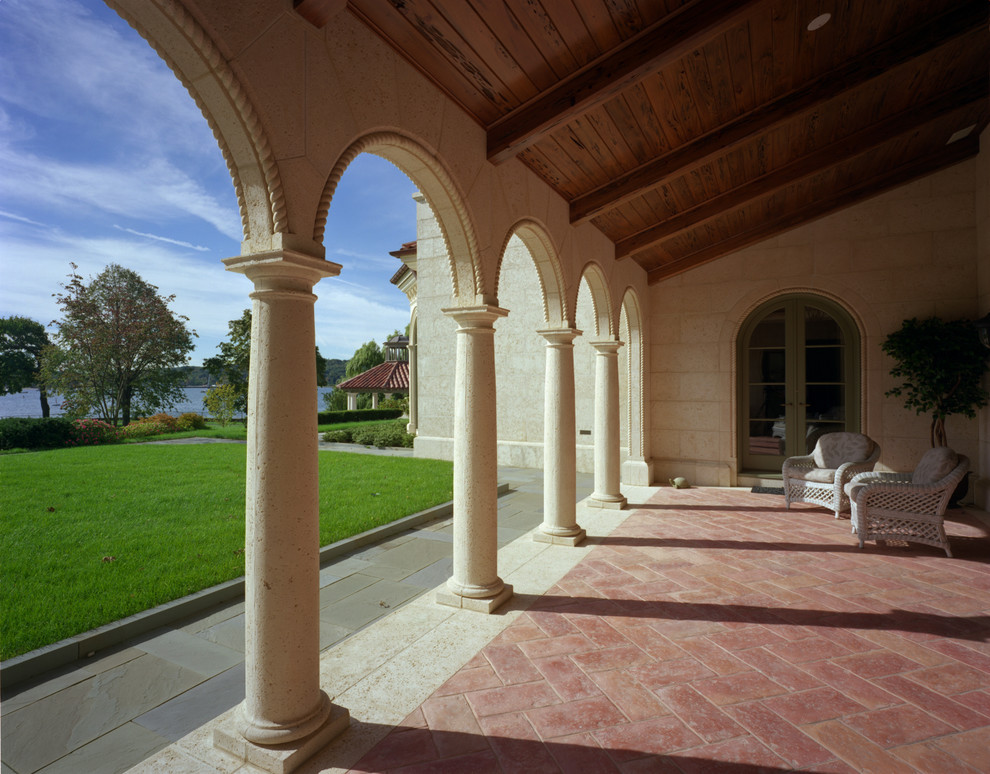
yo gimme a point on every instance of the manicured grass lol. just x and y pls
(94, 534)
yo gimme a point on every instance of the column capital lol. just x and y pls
(284, 270)
(472, 317)
(606, 347)
(560, 337)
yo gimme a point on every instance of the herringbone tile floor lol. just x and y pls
(715, 631)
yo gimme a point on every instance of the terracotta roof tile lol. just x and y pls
(392, 376)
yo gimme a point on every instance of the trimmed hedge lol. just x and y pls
(358, 415)
(35, 432)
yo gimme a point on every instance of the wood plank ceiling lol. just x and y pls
(687, 129)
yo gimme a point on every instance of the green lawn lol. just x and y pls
(93, 534)
(238, 431)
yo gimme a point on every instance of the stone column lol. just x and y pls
(352, 401)
(413, 425)
(475, 584)
(284, 703)
(559, 442)
(607, 463)
(374, 400)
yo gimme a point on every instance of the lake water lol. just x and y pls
(28, 403)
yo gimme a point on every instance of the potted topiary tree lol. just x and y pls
(942, 365)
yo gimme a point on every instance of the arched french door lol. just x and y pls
(798, 379)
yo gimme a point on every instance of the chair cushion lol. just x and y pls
(834, 449)
(815, 475)
(936, 464)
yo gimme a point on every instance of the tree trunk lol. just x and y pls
(45, 411)
(938, 437)
(125, 405)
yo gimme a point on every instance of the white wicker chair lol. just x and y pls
(907, 506)
(820, 477)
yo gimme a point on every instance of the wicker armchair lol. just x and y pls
(907, 506)
(820, 477)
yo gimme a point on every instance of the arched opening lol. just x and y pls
(798, 378)
(632, 392)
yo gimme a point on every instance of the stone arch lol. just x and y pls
(545, 257)
(636, 400)
(601, 300)
(192, 55)
(438, 187)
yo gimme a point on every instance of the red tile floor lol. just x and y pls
(715, 631)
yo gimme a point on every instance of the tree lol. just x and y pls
(942, 364)
(232, 366)
(22, 341)
(368, 355)
(219, 401)
(118, 346)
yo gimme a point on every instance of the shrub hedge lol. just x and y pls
(358, 415)
(35, 432)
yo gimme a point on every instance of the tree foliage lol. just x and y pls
(232, 366)
(118, 347)
(368, 355)
(22, 341)
(942, 364)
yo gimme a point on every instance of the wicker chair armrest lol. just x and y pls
(805, 461)
(879, 477)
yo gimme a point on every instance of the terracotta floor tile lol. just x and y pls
(566, 678)
(554, 624)
(953, 678)
(414, 719)
(744, 754)
(856, 750)
(520, 632)
(656, 736)
(555, 646)
(453, 725)
(834, 766)
(716, 658)
(966, 655)
(927, 757)
(581, 753)
(977, 700)
(670, 672)
(732, 689)
(574, 717)
(896, 726)
(856, 688)
(653, 643)
(790, 677)
(894, 642)
(517, 746)
(812, 706)
(470, 680)
(971, 747)
(483, 762)
(622, 657)
(512, 698)
(811, 649)
(399, 748)
(952, 712)
(634, 700)
(511, 664)
(700, 715)
(877, 664)
(598, 631)
(791, 744)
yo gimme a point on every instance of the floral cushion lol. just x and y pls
(835, 449)
(935, 465)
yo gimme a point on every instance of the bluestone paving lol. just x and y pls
(107, 713)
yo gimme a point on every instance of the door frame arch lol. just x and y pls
(848, 323)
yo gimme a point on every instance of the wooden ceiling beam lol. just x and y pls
(952, 154)
(810, 164)
(647, 52)
(938, 31)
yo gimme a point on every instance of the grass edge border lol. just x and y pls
(19, 669)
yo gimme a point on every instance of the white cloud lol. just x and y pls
(178, 242)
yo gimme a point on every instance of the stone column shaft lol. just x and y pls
(607, 459)
(413, 425)
(475, 583)
(559, 442)
(352, 401)
(283, 700)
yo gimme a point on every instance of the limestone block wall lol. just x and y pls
(910, 252)
(982, 489)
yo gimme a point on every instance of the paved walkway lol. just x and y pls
(110, 712)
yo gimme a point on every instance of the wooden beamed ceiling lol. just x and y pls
(687, 129)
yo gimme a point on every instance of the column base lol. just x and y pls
(611, 502)
(560, 540)
(478, 604)
(280, 758)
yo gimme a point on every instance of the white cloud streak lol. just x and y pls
(167, 240)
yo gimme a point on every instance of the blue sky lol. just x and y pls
(104, 158)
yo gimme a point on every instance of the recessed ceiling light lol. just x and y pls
(961, 133)
(818, 22)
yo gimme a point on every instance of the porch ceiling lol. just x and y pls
(687, 130)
